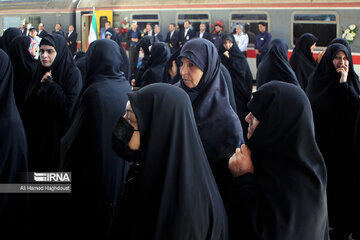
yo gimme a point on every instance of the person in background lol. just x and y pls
(71, 38)
(148, 30)
(58, 30)
(216, 37)
(157, 33)
(7, 37)
(241, 38)
(33, 33)
(42, 31)
(186, 34)
(251, 35)
(203, 33)
(132, 40)
(172, 38)
(302, 60)
(103, 30)
(262, 42)
(279, 177)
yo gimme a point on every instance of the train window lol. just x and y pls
(324, 25)
(143, 18)
(11, 22)
(195, 19)
(117, 20)
(250, 20)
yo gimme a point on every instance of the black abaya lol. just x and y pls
(176, 196)
(336, 117)
(155, 67)
(86, 149)
(218, 125)
(7, 37)
(48, 107)
(13, 156)
(285, 197)
(275, 65)
(125, 66)
(24, 67)
(241, 76)
(302, 60)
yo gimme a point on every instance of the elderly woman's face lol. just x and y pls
(47, 55)
(190, 73)
(253, 123)
(341, 61)
(134, 143)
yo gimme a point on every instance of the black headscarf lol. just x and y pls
(155, 67)
(302, 60)
(174, 57)
(336, 117)
(176, 195)
(13, 154)
(80, 61)
(229, 85)
(145, 43)
(8, 36)
(347, 45)
(241, 76)
(288, 200)
(24, 67)
(125, 66)
(218, 125)
(86, 149)
(48, 107)
(275, 65)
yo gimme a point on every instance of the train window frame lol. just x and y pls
(231, 21)
(208, 21)
(293, 21)
(145, 20)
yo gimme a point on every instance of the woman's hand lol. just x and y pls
(226, 53)
(47, 78)
(240, 163)
(173, 70)
(343, 70)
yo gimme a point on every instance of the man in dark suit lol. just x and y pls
(71, 38)
(203, 33)
(158, 34)
(42, 31)
(58, 29)
(148, 30)
(186, 34)
(172, 38)
(132, 40)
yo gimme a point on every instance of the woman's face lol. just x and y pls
(190, 73)
(47, 55)
(134, 143)
(253, 123)
(313, 47)
(341, 61)
(228, 44)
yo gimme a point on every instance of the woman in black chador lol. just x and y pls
(155, 66)
(86, 149)
(49, 103)
(275, 65)
(24, 67)
(279, 189)
(13, 157)
(218, 125)
(302, 60)
(170, 192)
(334, 95)
(235, 61)
(125, 65)
(6, 39)
(145, 44)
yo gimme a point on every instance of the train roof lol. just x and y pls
(37, 4)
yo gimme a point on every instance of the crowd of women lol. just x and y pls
(193, 154)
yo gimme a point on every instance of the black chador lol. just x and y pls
(275, 65)
(302, 60)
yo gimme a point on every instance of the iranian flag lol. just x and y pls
(93, 30)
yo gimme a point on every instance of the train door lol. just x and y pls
(85, 26)
(101, 18)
